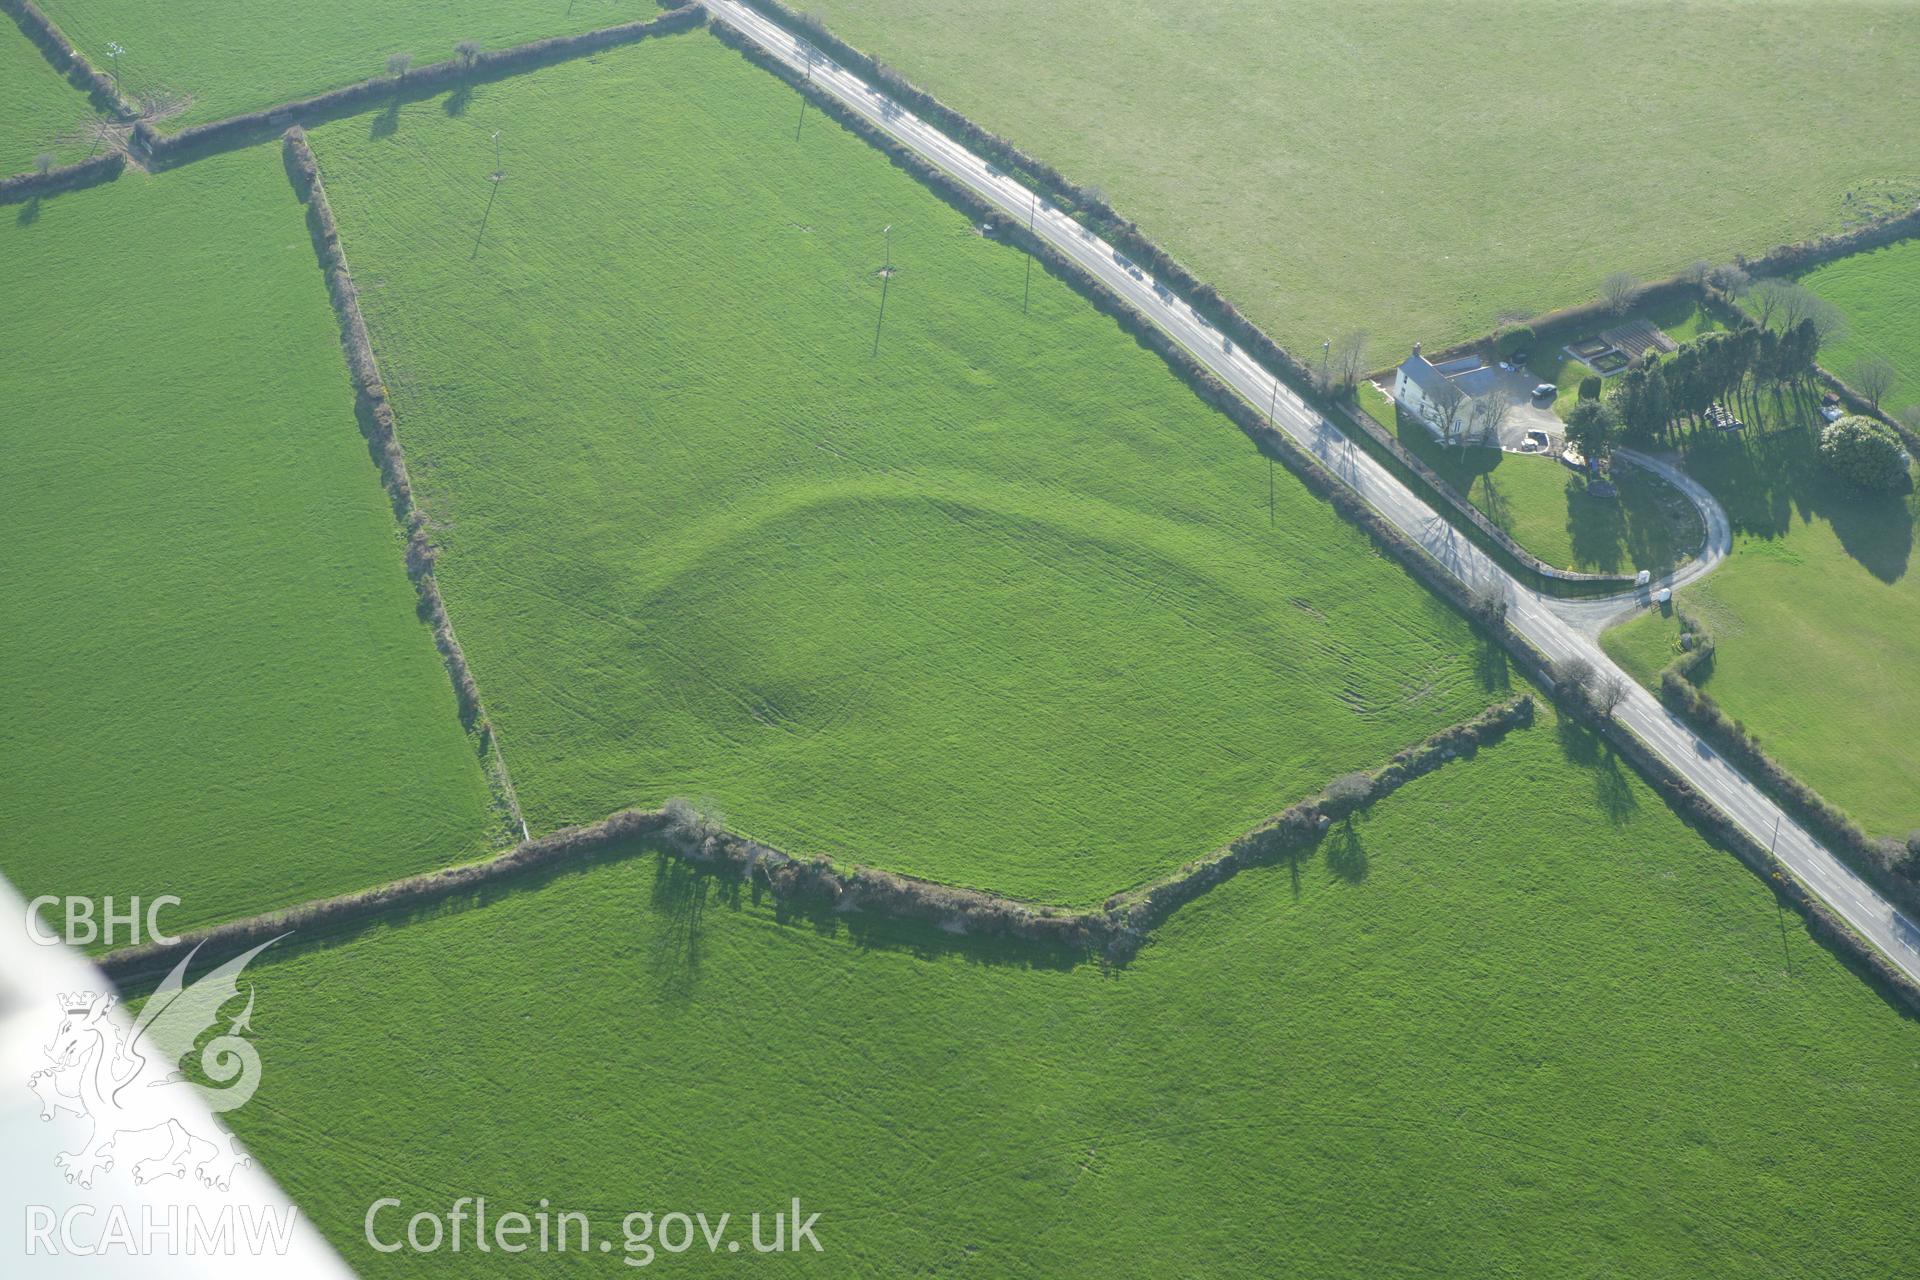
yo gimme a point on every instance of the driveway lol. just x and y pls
(1517, 386)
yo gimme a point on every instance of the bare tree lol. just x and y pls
(1350, 790)
(1609, 693)
(1698, 274)
(1765, 297)
(1349, 359)
(43, 162)
(1729, 279)
(397, 64)
(468, 51)
(1574, 676)
(1873, 377)
(1910, 417)
(1617, 291)
(1449, 410)
(1490, 413)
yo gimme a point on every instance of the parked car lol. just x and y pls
(1545, 391)
(1831, 412)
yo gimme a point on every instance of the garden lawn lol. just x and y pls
(980, 595)
(1545, 506)
(1312, 159)
(213, 681)
(234, 56)
(1879, 293)
(1517, 1020)
(1815, 618)
(40, 113)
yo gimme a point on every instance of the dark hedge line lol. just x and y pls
(1130, 917)
(1083, 204)
(376, 420)
(67, 60)
(1322, 483)
(72, 177)
(1269, 440)
(1804, 255)
(330, 914)
(1879, 861)
(816, 884)
(1826, 927)
(1554, 327)
(1413, 462)
(235, 131)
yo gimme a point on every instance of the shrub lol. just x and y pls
(1864, 453)
(1349, 790)
(1590, 388)
(1509, 338)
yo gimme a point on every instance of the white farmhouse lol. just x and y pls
(1422, 390)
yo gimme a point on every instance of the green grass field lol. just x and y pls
(244, 55)
(1546, 508)
(1422, 173)
(998, 604)
(1815, 617)
(1517, 1021)
(214, 682)
(1879, 293)
(39, 112)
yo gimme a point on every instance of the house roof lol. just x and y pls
(1422, 374)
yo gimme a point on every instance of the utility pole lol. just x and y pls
(886, 278)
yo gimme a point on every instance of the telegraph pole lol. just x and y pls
(1033, 198)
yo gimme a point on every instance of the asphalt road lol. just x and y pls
(1560, 629)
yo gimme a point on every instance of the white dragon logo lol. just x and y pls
(126, 1086)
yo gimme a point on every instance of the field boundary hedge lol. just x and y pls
(67, 60)
(1377, 431)
(1269, 439)
(420, 82)
(375, 414)
(1115, 931)
(1860, 954)
(1873, 859)
(86, 173)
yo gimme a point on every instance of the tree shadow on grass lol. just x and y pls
(29, 212)
(386, 122)
(1597, 528)
(458, 101)
(1490, 664)
(679, 900)
(1611, 786)
(1770, 479)
(1346, 852)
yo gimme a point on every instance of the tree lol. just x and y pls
(1865, 454)
(43, 162)
(1873, 377)
(1609, 693)
(1729, 279)
(1766, 296)
(1511, 337)
(1592, 427)
(1910, 417)
(1698, 274)
(1489, 414)
(468, 51)
(1348, 360)
(1350, 790)
(1449, 410)
(1590, 388)
(1639, 397)
(1489, 605)
(1617, 291)
(1574, 677)
(397, 64)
